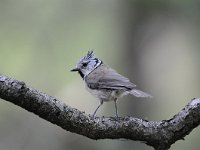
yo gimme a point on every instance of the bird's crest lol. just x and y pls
(90, 55)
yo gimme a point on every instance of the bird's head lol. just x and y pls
(87, 64)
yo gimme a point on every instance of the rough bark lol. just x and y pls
(159, 134)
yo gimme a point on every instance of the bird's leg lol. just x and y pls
(116, 110)
(101, 102)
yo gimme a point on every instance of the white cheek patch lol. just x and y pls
(92, 66)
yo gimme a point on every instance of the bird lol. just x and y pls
(105, 83)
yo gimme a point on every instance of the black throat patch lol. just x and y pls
(81, 74)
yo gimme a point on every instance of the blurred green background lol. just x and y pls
(155, 43)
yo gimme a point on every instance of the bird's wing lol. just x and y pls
(106, 78)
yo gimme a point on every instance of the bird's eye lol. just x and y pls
(85, 64)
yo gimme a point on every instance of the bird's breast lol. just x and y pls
(104, 94)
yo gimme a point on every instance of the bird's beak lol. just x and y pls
(75, 69)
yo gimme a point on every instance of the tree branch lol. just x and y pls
(159, 134)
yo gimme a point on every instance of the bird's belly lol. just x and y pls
(105, 95)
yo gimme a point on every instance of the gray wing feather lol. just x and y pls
(107, 78)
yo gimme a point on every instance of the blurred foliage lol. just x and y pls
(155, 43)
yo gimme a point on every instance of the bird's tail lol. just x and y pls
(139, 93)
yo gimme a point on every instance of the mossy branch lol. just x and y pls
(159, 134)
